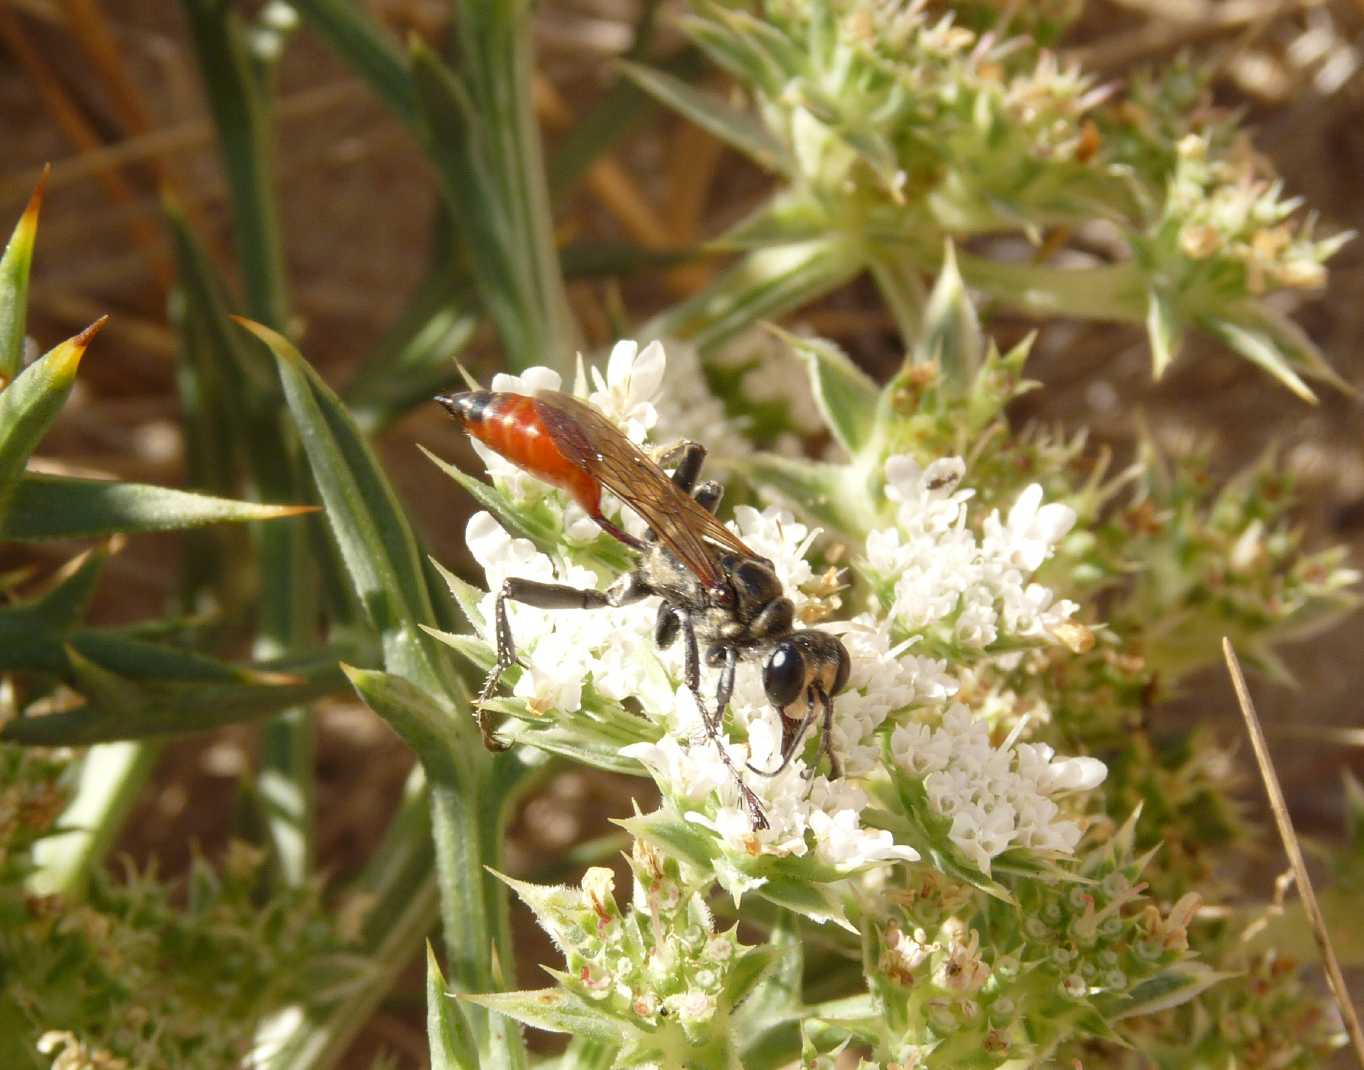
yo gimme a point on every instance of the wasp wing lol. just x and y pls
(600, 448)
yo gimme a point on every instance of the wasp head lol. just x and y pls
(805, 660)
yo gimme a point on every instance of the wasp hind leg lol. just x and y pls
(685, 459)
(630, 588)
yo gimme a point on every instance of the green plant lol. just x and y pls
(964, 895)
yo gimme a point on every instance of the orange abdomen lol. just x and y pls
(511, 425)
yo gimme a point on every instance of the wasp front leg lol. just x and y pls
(826, 736)
(673, 621)
(630, 588)
(792, 735)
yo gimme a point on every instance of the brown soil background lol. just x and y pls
(356, 201)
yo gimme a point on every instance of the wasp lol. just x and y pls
(715, 592)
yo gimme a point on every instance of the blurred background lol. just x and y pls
(107, 91)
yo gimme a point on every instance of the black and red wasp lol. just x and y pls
(715, 592)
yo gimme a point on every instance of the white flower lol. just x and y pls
(626, 394)
(1033, 529)
(819, 817)
(688, 411)
(962, 970)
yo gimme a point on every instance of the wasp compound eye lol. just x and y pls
(784, 675)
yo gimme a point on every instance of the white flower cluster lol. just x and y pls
(687, 410)
(995, 797)
(613, 649)
(943, 575)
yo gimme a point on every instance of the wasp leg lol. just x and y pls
(685, 459)
(691, 670)
(791, 739)
(826, 738)
(616, 533)
(708, 494)
(630, 588)
(727, 657)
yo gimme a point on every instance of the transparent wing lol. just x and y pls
(599, 447)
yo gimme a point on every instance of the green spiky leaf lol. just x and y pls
(823, 493)
(712, 114)
(59, 507)
(447, 1033)
(431, 730)
(951, 333)
(555, 1010)
(1163, 330)
(846, 395)
(14, 269)
(1261, 348)
(30, 404)
(121, 708)
(368, 523)
(61, 607)
(1179, 984)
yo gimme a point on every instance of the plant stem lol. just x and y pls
(899, 280)
(1110, 292)
(401, 877)
(236, 83)
(494, 38)
(111, 776)
(239, 102)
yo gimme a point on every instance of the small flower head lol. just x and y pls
(990, 799)
(957, 589)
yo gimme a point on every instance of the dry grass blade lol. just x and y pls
(101, 48)
(1320, 733)
(1294, 850)
(614, 188)
(182, 137)
(81, 132)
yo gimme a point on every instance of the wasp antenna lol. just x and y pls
(469, 380)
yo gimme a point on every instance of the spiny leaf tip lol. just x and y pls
(29, 220)
(67, 356)
(86, 336)
(280, 346)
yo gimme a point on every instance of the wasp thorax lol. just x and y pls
(754, 584)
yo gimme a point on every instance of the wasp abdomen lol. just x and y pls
(512, 425)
